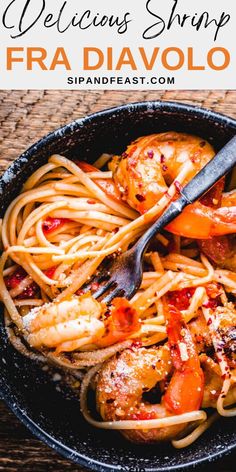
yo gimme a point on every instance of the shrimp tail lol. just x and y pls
(185, 390)
(123, 320)
(213, 215)
(201, 222)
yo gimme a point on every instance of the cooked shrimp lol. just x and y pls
(145, 170)
(202, 221)
(79, 320)
(200, 333)
(123, 382)
(211, 221)
(60, 322)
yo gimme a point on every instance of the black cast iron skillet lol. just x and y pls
(52, 413)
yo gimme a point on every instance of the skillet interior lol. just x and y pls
(54, 415)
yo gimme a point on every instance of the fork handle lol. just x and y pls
(172, 212)
(220, 165)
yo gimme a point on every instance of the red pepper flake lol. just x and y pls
(225, 376)
(211, 304)
(115, 230)
(140, 197)
(209, 322)
(150, 154)
(107, 313)
(132, 163)
(51, 224)
(136, 345)
(202, 144)
(178, 186)
(164, 168)
(162, 159)
(91, 202)
(167, 194)
(94, 287)
(80, 292)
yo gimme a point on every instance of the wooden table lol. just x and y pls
(25, 116)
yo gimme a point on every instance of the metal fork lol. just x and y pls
(123, 275)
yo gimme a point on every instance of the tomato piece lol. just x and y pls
(181, 298)
(12, 281)
(86, 167)
(218, 249)
(50, 272)
(122, 321)
(51, 224)
(30, 292)
(124, 317)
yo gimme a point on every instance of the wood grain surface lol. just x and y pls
(25, 116)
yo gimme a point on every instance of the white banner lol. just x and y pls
(144, 44)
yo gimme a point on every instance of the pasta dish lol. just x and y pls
(162, 365)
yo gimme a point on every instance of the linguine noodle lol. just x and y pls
(59, 230)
